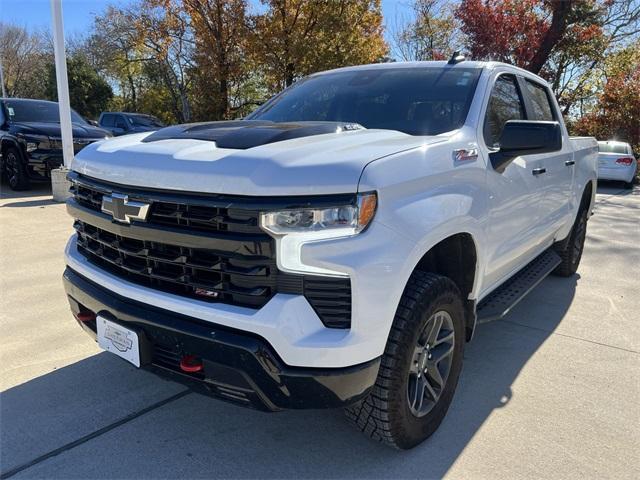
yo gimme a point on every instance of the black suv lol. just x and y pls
(30, 139)
(122, 123)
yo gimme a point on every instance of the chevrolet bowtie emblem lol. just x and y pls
(124, 210)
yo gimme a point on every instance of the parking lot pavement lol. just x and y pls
(552, 391)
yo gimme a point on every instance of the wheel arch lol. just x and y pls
(588, 198)
(456, 257)
(5, 143)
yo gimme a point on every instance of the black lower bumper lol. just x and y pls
(237, 366)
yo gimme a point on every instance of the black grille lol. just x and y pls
(203, 274)
(188, 216)
(247, 279)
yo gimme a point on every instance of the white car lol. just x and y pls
(616, 162)
(339, 246)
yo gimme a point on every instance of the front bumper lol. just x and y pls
(41, 162)
(238, 366)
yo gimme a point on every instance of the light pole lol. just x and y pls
(59, 184)
(4, 92)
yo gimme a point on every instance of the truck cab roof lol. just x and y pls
(484, 65)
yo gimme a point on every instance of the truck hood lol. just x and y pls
(52, 129)
(262, 163)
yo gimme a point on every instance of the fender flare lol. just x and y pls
(470, 301)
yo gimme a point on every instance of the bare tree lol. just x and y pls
(165, 32)
(24, 58)
(431, 35)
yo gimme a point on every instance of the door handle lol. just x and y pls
(568, 163)
(538, 171)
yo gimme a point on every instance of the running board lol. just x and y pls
(500, 302)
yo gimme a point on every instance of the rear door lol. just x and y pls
(556, 181)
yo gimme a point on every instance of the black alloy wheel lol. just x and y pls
(15, 170)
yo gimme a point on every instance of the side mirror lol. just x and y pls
(524, 137)
(92, 122)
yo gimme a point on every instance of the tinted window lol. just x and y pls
(504, 104)
(605, 147)
(145, 121)
(120, 123)
(108, 120)
(417, 101)
(539, 101)
(34, 111)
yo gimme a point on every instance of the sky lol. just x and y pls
(78, 14)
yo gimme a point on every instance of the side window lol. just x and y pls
(108, 120)
(1, 114)
(542, 109)
(505, 104)
(120, 123)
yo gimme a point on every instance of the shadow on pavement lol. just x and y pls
(37, 190)
(30, 203)
(195, 436)
(610, 187)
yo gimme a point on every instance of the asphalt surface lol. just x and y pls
(552, 391)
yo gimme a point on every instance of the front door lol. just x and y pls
(512, 227)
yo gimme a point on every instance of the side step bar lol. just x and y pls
(500, 302)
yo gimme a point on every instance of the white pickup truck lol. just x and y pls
(339, 246)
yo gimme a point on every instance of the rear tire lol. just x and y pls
(628, 185)
(15, 170)
(571, 251)
(421, 363)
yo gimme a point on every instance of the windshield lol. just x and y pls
(34, 111)
(417, 101)
(145, 121)
(604, 147)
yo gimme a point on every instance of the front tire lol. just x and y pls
(15, 170)
(420, 366)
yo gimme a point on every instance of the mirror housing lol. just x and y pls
(525, 137)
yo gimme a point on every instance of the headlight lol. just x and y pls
(295, 227)
(339, 221)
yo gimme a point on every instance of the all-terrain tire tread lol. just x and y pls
(371, 415)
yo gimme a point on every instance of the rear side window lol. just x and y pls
(539, 101)
(605, 147)
(505, 104)
(108, 120)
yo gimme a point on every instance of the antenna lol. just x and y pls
(457, 57)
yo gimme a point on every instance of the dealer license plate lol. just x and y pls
(117, 339)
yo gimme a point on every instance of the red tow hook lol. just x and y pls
(191, 364)
(85, 316)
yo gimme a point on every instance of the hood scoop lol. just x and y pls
(244, 134)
